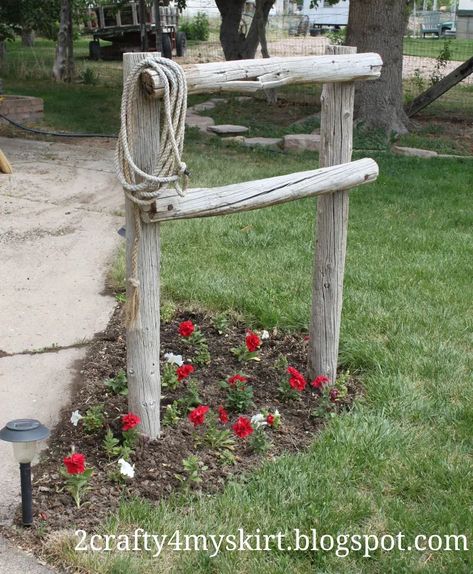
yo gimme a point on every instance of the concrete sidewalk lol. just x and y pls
(59, 215)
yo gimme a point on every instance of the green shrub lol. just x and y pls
(197, 28)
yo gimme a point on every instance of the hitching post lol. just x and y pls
(336, 139)
(142, 337)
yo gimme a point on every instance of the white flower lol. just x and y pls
(174, 359)
(126, 468)
(75, 417)
(264, 335)
(258, 421)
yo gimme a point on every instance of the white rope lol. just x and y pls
(140, 187)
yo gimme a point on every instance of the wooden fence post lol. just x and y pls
(336, 131)
(144, 382)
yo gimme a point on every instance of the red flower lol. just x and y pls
(236, 378)
(222, 415)
(186, 328)
(75, 464)
(270, 419)
(242, 427)
(184, 371)
(197, 416)
(320, 381)
(130, 421)
(253, 342)
(333, 395)
(296, 380)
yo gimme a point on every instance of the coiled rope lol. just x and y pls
(140, 187)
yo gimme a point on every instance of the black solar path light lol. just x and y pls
(25, 436)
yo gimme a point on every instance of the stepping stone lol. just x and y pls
(203, 106)
(302, 142)
(228, 129)
(201, 122)
(218, 100)
(268, 143)
(234, 139)
(243, 99)
(414, 152)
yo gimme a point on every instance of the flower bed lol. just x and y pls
(231, 399)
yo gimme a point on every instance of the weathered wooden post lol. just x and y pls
(336, 141)
(144, 382)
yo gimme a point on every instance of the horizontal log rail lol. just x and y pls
(206, 202)
(253, 75)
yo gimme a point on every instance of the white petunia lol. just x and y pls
(75, 417)
(264, 335)
(174, 359)
(126, 468)
(258, 420)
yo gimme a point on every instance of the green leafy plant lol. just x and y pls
(169, 379)
(94, 419)
(193, 468)
(221, 323)
(118, 384)
(258, 441)
(239, 393)
(167, 312)
(217, 438)
(90, 77)
(111, 445)
(191, 397)
(197, 28)
(441, 61)
(281, 363)
(172, 414)
(202, 356)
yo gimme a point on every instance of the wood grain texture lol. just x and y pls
(336, 131)
(206, 202)
(269, 73)
(143, 339)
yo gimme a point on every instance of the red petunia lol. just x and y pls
(75, 464)
(253, 342)
(222, 415)
(297, 380)
(320, 381)
(236, 378)
(184, 371)
(333, 395)
(242, 428)
(270, 419)
(197, 416)
(186, 328)
(130, 421)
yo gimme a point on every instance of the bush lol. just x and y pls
(197, 28)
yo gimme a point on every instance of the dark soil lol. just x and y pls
(158, 462)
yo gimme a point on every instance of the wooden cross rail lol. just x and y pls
(338, 70)
(206, 202)
(253, 75)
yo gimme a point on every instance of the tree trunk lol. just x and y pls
(27, 37)
(3, 51)
(379, 26)
(63, 69)
(235, 43)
